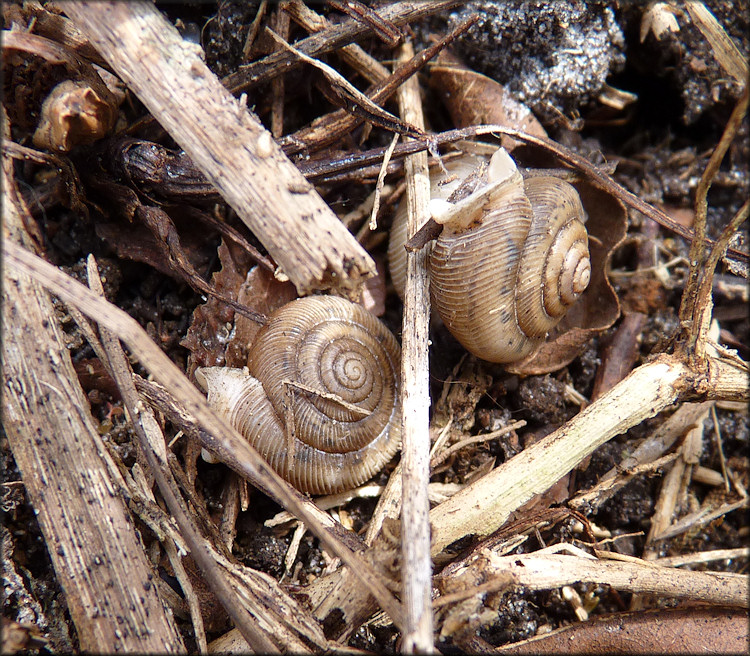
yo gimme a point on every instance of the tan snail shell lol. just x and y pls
(512, 258)
(325, 371)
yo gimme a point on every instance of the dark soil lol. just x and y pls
(661, 143)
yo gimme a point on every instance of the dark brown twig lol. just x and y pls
(161, 226)
(353, 100)
(390, 34)
(399, 13)
(602, 180)
(698, 270)
(339, 123)
(702, 307)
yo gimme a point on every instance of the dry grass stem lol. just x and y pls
(543, 571)
(153, 445)
(704, 557)
(369, 67)
(415, 398)
(216, 434)
(724, 50)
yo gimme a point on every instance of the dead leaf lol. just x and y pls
(263, 293)
(664, 631)
(138, 243)
(373, 291)
(475, 99)
(216, 336)
(211, 327)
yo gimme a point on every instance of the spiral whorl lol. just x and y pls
(502, 284)
(555, 267)
(321, 403)
(330, 348)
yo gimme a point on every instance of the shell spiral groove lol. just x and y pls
(331, 369)
(503, 282)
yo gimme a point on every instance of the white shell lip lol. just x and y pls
(221, 383)
(211, 377)
(501, 171)
(501, 166)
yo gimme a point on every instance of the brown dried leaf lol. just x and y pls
(664, 631)
(373, 291)
(211, 328)
(93, 376)
(263, 293)
(218, 337)
(475, 99)
(464, 392)
(136, 242)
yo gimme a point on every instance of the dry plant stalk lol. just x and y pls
(153, 445)
(398, 13)
(217, 435)
(543, 570)
(415, 404)
(229, 145)
(80, 507)
(484, 506)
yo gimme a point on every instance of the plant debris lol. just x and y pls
(593, 495)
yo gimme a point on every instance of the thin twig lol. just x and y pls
(319, 43)
(369, 67)
(440, 458)
(330, 128)
(698, 272)
(354, 100)
(314, 171)
(153, 445)
(701, 310)
(381, 181)
(281, 26)
(385, 29)
(720, 449)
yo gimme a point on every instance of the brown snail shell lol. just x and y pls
(512, 258)
(323, 374)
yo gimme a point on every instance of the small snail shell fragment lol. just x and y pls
(512, 258)
(321, 401)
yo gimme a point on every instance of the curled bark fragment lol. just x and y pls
(74, 113)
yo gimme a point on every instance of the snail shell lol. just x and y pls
(324, 380)
(511, 260)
